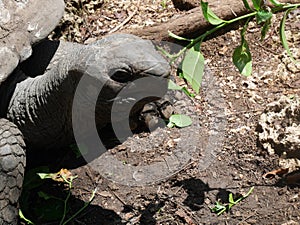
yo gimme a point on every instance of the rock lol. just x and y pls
(280, 129)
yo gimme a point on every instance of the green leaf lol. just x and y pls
(179, 72)
(282, 34)
(193, 67)
(218, 207)
(173, 86)
(265, 29)
(231, 200)
(186, 91)
(209, 15)
(241, 56)
(180, 120)
(163, 4)
(256, 4)
(45, 175)
(178, 37)
(263, 16)
(22, 217)
(246, 4)
(170, 125)
(276, 3)
(242, 59)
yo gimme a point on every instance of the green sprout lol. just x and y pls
(220, 208)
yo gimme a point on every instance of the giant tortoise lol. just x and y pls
(38, 79)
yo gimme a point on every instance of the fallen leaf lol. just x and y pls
(60, 176)
(278, 172)
(63, 173)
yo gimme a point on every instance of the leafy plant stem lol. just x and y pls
(283, 36)
(287, 6)
(245, 196)
(220, 208)
(225, 23)
(203, 36)
(83, 208)
(222, 211)
(67, 199)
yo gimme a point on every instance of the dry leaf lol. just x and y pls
(63, 173)
(278, 172)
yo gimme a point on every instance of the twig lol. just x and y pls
(106, 17)
(117, 196)
(6, 30)
(167, 163)
(188, 212)
(120, 199)
(126, 20)
(244, 111)
(267, 49)
(233, 12)
(248, 217)
(174, 173)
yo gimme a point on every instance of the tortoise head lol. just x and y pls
(126, 58)
(133, 72)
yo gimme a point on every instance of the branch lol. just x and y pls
(193, 24)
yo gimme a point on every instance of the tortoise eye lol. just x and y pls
(122, 76)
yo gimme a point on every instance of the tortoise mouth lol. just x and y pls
(122, 108)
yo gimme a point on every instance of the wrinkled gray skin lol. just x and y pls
(36, 99)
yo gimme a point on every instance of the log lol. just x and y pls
(184, 5)
(193, 24)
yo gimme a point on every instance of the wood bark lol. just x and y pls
(185, 4)
(193, 23)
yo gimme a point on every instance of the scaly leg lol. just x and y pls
(12, 164)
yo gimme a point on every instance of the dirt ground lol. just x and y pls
(223, 156)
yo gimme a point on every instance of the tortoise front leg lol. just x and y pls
(12, 164)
